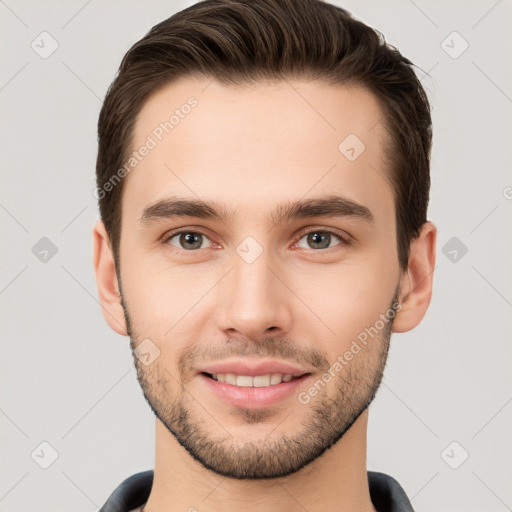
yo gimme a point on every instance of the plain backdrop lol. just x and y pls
(442, 418)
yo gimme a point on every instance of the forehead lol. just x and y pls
(269, 142)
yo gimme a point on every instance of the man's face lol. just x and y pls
(259, 285)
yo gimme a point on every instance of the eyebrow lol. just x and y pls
(330, 206)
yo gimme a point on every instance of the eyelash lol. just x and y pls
(344, 241)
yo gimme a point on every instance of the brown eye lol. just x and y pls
(321, 239)
(187, 240)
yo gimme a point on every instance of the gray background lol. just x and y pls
(68, 380)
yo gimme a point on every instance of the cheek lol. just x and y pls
(158, 296)
(343, 302)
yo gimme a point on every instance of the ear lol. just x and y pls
(416, 281)
(106, 280)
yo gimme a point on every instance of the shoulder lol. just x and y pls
(387, 494)
(131, 494)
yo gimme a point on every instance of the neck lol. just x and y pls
(337, 480)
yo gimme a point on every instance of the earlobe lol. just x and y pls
(106, 280)
(416, 282)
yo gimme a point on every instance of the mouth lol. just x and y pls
(253, 392)
(257, 381)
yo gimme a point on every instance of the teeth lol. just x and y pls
(230, 378)
(262, 380)
(276, 378)
(244, 380)
(258, 381)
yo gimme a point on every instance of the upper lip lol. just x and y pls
(244, 367)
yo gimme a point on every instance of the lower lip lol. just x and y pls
(251, 397)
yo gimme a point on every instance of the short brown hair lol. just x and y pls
(243, 41)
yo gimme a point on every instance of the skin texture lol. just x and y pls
(252, 149)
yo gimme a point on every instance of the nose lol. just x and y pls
(255, 300)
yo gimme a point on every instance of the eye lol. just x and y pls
(321, 239)
(187, 240)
